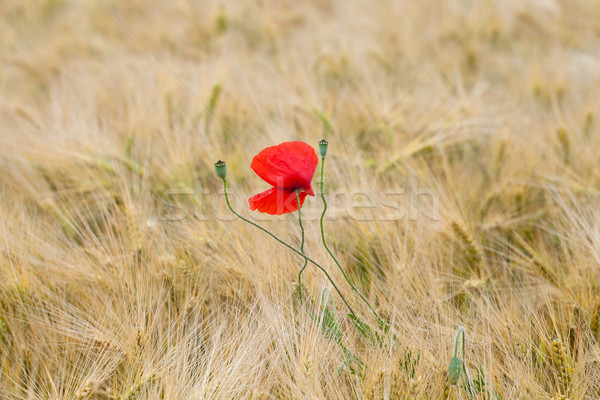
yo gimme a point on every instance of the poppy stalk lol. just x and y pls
(301, 247)
(323, 144)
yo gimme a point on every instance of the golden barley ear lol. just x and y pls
(133, 227)
(562, 365)
(472, 252)
(86, 391)
(543, 268)
(414, 384)
(308, 367)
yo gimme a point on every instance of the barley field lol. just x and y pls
(462, 179)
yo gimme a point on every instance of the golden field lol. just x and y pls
(463, 181)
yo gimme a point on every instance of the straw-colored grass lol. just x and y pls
(471, 128)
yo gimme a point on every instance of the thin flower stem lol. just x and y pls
(364, 299)
(289, 247)
(301, 247)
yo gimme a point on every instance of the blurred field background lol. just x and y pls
(123, 277)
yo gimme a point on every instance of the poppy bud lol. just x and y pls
(323, 147)
(221, 169)
(454, 370)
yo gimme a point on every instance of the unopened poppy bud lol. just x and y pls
(323, 147)
(221, 169)
(454, 370)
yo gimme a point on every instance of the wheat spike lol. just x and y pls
(562, 365)
(472, 251)
(595, 321)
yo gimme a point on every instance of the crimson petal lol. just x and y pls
(276, 202)
(289, 165)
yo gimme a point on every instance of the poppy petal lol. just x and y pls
(289, 165)
(276, 202)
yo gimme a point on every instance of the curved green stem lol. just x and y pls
(301, 247)
(316, 264)
(364, 299)
(461, 331)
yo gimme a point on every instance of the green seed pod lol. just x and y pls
(221, 169)
(323, 147)
(454, 370)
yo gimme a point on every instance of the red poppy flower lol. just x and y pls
(288, 167)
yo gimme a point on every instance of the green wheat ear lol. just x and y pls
(212, 105)
(595, 321)
(565, 143)
(588, 124)
(562, 366)
(221, 20)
